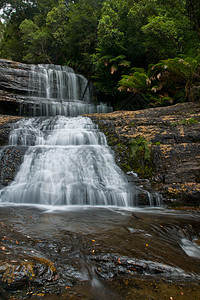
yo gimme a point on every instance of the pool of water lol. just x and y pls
(103, 253)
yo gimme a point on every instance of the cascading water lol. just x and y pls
(68, 161)
(57, 90)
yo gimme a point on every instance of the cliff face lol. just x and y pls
(14, 86)
(161, 144)
(14, 76)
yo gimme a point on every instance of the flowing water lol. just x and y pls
(72, 225)
(67, 162)
(57, 90)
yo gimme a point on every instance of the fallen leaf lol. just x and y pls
(3, 248)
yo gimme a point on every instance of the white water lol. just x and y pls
(68, 161)
(57, 90)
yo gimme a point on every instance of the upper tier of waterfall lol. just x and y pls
(58, 90)
(57, 82)
(47, 90)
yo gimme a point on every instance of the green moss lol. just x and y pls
(134, 155)
(186, 122)
(140, 145)
(141, 157)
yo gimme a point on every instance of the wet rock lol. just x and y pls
(14, 275)
(14, 76)
(15, 88)
(6, 125)
(117, 265)
(10, 160)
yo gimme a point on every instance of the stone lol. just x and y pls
(174, 136)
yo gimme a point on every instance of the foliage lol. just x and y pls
(112, 42)
(141, 156)
(168, 81)
(138, 82)
(81, 34)
(35, 41)
(1, 30)
(182, 74)
(140, 145)
(186, 122)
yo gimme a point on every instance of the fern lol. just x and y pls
(137, 82)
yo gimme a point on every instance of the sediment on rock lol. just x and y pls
(170, 134)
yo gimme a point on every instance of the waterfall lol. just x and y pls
(57, 82)
(57, 90)
(68, 161)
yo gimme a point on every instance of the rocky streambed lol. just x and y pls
(90, 253)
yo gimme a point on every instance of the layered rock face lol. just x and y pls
(13, 86)
(45, 90)
(172, 135)
(14, 76)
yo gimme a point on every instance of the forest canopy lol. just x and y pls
(143, 50)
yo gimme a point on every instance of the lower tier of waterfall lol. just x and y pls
(67, 162)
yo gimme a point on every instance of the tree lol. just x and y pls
(193, 10)
(12, 45)
(182, 73)
(35, 42)
(1, 30)
(74, 29)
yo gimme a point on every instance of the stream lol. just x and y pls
(72, 226)
(99, 253)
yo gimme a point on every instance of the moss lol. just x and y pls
(134, 154)
(186, 122)
(141, 157)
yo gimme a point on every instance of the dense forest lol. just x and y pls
(138, 53)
